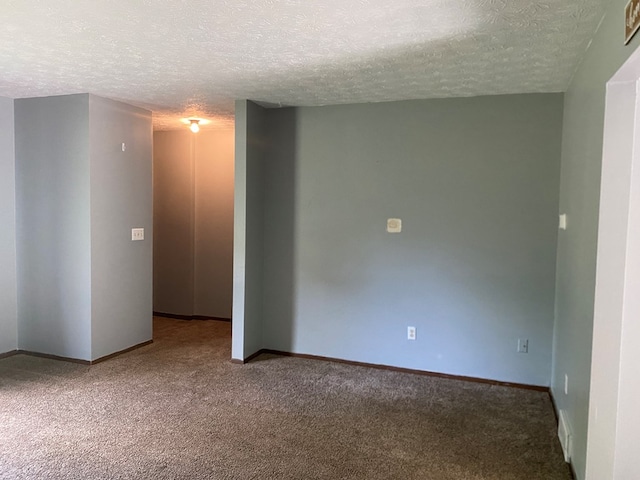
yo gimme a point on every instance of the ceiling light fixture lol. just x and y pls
(195, 125)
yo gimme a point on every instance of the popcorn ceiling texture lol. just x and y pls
(181, 58)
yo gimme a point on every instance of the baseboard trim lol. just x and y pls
(427, 373)
(78, 360)
(116, 354)
(8, 354)
(254, 355)
(54, 357)
(249, 358)
(557, 415)
(189, 317)
(555, 407)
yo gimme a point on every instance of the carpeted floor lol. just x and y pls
(179, 409)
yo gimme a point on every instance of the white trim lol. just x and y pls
(613, 421)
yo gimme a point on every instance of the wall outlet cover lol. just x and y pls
(411, 333)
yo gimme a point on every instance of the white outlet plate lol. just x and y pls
(566, 384)
(411, 333)
(137, 234)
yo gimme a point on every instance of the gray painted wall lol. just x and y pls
(84, 289)
(121, 199)
(475, 181)
(8, 290)
(249, 218)
(579, 198)
(280, 248)
(193, 218)
(53, 225)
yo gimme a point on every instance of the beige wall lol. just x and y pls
(213, 240)
(193, 222)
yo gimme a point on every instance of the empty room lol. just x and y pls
(319, 240)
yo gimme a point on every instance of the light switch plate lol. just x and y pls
(563, 222)
(394, 225)
(523, 345)
(137, 234)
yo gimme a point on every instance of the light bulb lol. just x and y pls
(195, 128)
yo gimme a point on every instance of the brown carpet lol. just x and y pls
(179, 409)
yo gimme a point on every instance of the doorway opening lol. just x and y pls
(193, 185)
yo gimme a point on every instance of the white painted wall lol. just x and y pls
(8, 300)
(628, 421)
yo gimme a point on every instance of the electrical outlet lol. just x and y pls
(523, 345)
(411, 333)
(566, 384)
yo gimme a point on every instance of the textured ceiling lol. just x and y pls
(194, 57)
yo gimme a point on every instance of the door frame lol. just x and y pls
(615, 366)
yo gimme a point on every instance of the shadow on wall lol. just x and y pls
(280, 250)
